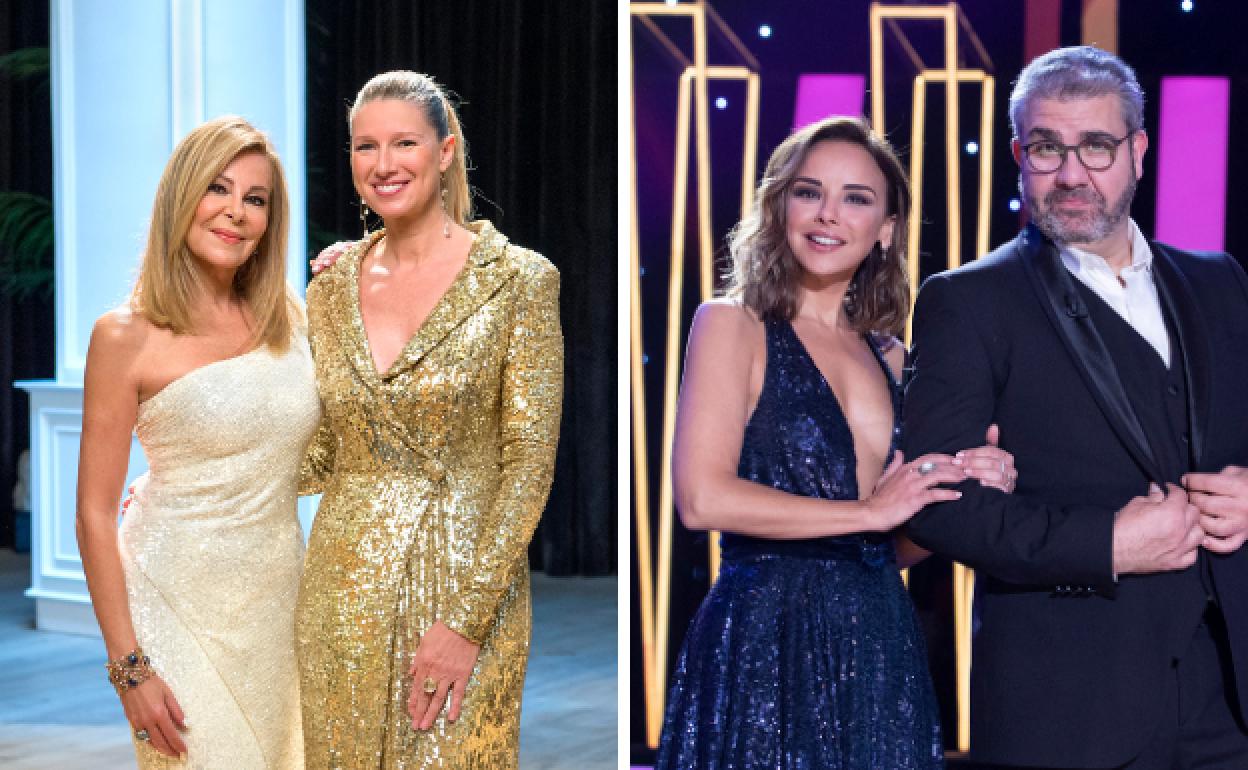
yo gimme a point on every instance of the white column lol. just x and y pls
(129, 79)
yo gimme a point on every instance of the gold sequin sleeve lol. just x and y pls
(532, 400)
(318, 461)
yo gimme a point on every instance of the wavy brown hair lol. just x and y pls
(764, 273)
(423, 91)
(169, 280)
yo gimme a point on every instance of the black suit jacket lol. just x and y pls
(1068, 664)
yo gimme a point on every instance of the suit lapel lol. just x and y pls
(1179, 301)
(1061, 301)
(351, 335)
(483, 274)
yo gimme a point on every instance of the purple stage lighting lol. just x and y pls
(1191, 161)
(819, 96)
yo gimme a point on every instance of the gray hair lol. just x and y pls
(1078, 72)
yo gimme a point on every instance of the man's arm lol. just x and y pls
(949, 404)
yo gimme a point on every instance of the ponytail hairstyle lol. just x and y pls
(424, 92)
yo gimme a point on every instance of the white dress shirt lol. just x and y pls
(1134, 297)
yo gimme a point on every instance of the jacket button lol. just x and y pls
(1172, 390)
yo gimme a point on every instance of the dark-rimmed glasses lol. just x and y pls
(1096, 153)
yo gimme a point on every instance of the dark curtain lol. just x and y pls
(537, 84)
(27, 333)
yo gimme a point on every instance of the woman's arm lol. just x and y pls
(110, 408)
(715, 401)
(532, 399)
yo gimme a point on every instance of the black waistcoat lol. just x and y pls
(1158, 395)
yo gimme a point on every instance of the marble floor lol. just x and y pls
(57, 710)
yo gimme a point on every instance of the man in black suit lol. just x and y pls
(1111, 607)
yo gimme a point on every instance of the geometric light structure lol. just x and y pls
(654, 574)
(950, 74)
(1191, 161)
(984, 201)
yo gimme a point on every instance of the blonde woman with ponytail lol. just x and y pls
(439, 364)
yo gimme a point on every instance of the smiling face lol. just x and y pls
(397, 159)
(837, 210)
(1074, 205)
(233, 215)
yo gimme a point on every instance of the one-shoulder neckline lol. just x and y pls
(191, 374)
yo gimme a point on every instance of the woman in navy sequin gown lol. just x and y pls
(806, 654)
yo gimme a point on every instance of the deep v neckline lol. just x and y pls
(357, 307)
(890, 382)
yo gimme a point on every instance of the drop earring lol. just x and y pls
(364, 216)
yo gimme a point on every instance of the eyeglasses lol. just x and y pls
(1096, 153)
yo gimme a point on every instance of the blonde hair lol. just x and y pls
(169, 280)
(764, 273)
(424, 92)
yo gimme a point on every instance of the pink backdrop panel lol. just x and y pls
(819, 96)
(1191, 162)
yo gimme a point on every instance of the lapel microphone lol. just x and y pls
(1075, 307)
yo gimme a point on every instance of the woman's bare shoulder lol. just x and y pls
(726, 315)
(121, 330)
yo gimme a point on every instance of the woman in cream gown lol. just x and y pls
(209, 364)
(437, 451)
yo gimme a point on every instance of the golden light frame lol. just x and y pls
(950, 75)
(691, 106)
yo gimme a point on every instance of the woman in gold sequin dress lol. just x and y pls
(208, 363)
(439, 364)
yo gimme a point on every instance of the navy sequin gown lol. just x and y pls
(806, 654)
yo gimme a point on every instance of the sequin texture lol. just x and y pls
(435, 474)
(806, 654)
(211, 549)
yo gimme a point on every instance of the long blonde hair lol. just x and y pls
(424, 92)
(169, 280)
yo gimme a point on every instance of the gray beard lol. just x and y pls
(1100, 222)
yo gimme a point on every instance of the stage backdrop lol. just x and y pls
(537, 85)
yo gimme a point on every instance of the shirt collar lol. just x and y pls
(1082, 262)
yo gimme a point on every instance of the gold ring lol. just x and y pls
(430, 685)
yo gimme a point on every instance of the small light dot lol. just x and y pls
(645, 358)
(764, 30)
(1015, 204)
(972, 148)
(672, 2)
(642, 271)
(1187, 5)
(721, 103)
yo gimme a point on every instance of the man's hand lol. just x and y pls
(1222, 499)
(1158, 533)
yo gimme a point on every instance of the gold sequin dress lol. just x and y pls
(436, 473)
(212, 548)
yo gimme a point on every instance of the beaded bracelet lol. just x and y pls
(130, 670)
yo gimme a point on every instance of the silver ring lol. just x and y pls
(1003, 466)
(142, 735)
(926, 467)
